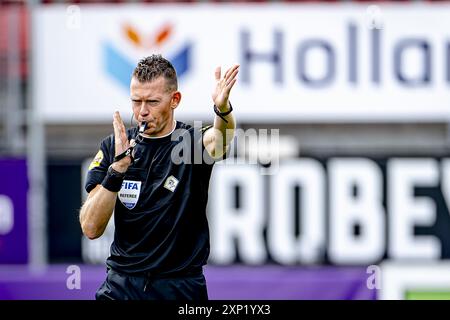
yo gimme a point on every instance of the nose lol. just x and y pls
(143, 110)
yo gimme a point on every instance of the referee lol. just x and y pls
(151, 178)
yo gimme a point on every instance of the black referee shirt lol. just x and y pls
(160, 214)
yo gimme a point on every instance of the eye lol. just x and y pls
(152, 102)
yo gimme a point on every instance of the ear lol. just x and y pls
(176, 98)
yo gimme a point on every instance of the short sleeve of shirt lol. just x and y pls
(199, 147)
(99, 165)
(207, 157)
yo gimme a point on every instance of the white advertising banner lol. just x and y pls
(298, 63)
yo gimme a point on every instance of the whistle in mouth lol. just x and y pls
(143, 126)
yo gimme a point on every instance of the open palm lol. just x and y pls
(223, 86)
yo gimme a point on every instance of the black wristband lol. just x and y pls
(113, 180)
(223, 114)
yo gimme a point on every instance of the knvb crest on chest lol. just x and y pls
(171, 183)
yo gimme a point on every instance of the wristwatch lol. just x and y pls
(223, 114)
(114, 173)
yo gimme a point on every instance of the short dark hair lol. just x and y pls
(153, 67)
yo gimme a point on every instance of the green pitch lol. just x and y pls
(427, 295)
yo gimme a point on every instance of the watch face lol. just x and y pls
(113, 172)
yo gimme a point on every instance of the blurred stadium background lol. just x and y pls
(357, 207)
